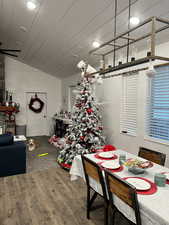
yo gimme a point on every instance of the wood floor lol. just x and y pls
(45, 198)
(36, 163)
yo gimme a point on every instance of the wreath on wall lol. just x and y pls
(36, 104)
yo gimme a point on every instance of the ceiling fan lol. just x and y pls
(9, 51)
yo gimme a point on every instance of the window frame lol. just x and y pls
(148, 112)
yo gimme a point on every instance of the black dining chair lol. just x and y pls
(92, 170)
(156, 157)
(126, 192)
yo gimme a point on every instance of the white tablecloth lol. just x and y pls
(154, 209)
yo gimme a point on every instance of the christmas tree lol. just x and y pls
(84, 135)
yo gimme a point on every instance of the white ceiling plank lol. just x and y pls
(94, 25)
(107, 33)
(59, 30)
(100, 31)
(6, 16)
(66, 42)
(51, 13)
(60, 33)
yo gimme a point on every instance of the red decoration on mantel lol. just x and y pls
(8, 109)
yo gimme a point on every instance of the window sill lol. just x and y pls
(159, 141)
(128, 134)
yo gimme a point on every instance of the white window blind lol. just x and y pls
(128, 123)
(158, 113)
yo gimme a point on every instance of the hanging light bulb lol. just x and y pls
(148, 47)
(102, 64)
(133, 53)
(151, 71)
(120, 58)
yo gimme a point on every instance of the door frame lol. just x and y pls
(46, 105)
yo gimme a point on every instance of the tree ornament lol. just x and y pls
(96, 139)
(82, 138)
(89, 110)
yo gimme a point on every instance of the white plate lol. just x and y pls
(111, 165)
(106, 154)
(139, 184)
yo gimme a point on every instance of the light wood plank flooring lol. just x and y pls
(45, 198)
(36, 163)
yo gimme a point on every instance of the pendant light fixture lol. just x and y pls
(127, 42)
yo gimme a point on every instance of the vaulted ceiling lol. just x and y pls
(58, 33)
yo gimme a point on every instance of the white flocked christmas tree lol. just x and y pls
(84, 135)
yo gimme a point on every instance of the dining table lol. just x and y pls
(154, 205)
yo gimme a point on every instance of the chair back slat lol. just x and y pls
(91, 170)
(123, 190)
(156, 157)
(120, 189)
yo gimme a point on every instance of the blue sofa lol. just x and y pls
(12, 156)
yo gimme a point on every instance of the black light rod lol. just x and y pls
(10, 50)
(122, 34)
(141, 38)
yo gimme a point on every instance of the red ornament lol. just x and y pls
(82, 138)
(109, 148)
(89, 110)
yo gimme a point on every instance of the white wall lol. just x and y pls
(66, 83)
(110, 93)
(21, 78)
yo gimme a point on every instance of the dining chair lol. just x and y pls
(126, 193)
(94, 172)
(156, 157)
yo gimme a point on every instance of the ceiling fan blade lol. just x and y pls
(5, 53)
(10, 50)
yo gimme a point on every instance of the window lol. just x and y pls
(128, 123)
(158, 113)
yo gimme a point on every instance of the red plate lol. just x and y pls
(151, 191)
(99, 157)
(112, 170)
